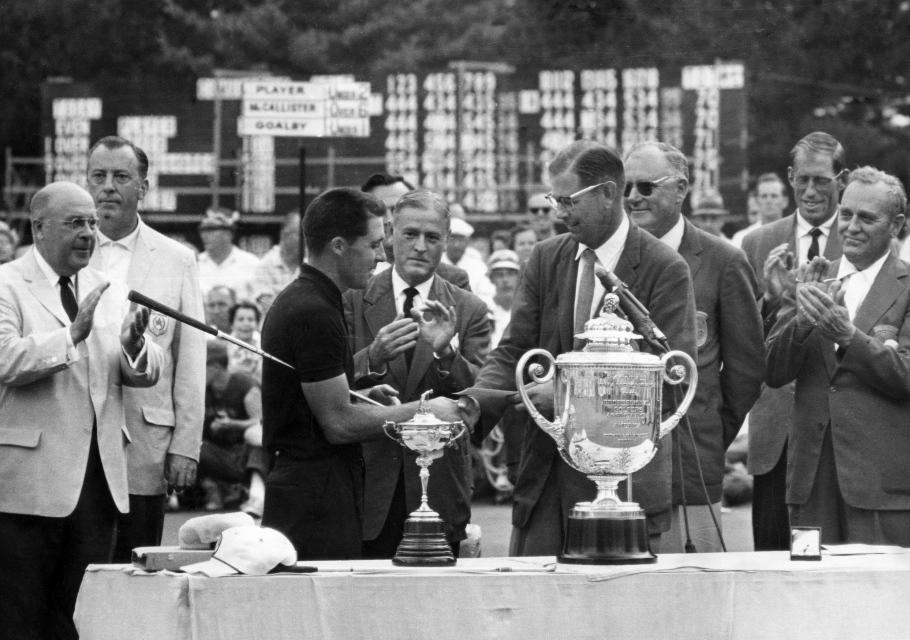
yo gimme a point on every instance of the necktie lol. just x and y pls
(585, 297)
(67, 298)
(813, 248)
(409, 295)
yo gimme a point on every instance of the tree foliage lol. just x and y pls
(837, 64)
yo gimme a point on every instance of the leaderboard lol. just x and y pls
(482, 137)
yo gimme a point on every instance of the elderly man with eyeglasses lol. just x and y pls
(557, 295)
(67, 348)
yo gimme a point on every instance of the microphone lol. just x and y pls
(635, 311)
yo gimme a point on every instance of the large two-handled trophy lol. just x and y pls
(424, 542)
(609, 396)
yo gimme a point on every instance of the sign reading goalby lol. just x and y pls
(305, 109)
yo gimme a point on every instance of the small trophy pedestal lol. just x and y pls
(607, 531)
(424, 543)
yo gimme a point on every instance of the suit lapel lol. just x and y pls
(833, 249)
(887, 287)
(42, 289)
(423, 353)
(566, 277)
(380, 311)
(690, 248)
(141, 261)
(828, 347)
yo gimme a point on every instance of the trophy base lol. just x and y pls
(607, 536)
(424, 544)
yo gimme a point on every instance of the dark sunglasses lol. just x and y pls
(539, 210)
(644, 188)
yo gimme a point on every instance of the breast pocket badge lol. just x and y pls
(701, 328)
(158, 323)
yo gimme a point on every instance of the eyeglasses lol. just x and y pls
(76, 224)
(539, 211)
(820, 182)
(568, 202)
(644, 188)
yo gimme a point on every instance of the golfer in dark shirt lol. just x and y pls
(315, 490)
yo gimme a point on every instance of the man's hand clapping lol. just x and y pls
(396, 337)
(85, 316)
(778, 272)
(826, 312)
(440, 328)
(133, 329)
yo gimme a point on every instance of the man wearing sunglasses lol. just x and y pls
(557, 295)
(68, 346)
(731, 354)
(817, 174)
(541, 215)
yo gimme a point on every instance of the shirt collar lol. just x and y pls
(399, 285)
(52, 276)
(847, 268)
(803, 227)
(612, 247)
(128, 242)
(673, 237)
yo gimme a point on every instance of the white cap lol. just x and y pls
(201, 532)
(503, 259)
(252, 551)
(459, 227)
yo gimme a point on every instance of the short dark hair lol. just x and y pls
(821, 142)
(115, 142)
(216, 353)
(244, 304)
(521, 228)
(592, 162)
(342, 212)
(383, 180)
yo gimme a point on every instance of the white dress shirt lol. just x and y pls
(857, 283)
(116, 255)
(673, 237)
(235, 272)
(804, 238)
(607, 256)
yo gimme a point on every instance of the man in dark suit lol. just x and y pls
(731, 351)
(393, 344)
(165, 422)
(389, 189)
(588, 182)
(843, 334)
(817, 166)
(67, 347)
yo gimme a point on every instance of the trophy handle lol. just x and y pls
(555, 429)
(679, 374)
(385, 430)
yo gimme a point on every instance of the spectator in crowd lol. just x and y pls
(218, 303)
(709, 214)
(232, 447)
(843, 334)
(524, 239)
(222, 262)
(729, 337)
(504, 272)
(67, 348)
(816, 174)
(770, 199)
(394, 344)
(541, 216)
(389, 189)
(588, 182)
(245, 318)
(9, 241)
(309, 423)
(165, 421)
(500, 239)
(281, 264)
(456, 254)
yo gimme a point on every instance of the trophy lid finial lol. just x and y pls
(608, 332)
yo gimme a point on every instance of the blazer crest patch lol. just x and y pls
(158, 323)
(885, 332)
(701, 328)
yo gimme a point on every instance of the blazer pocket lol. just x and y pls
(160, 417)
(27, 438)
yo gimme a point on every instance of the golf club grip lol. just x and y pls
(154, 305)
